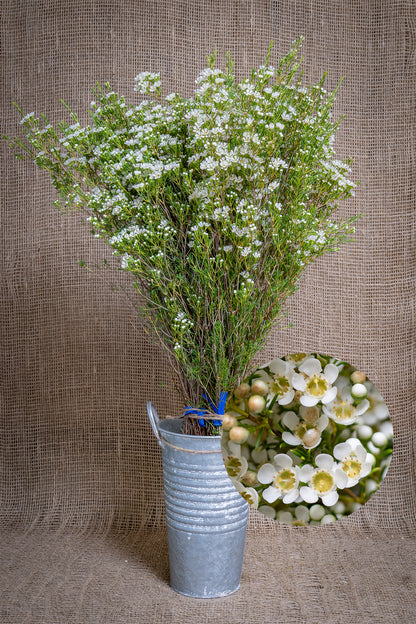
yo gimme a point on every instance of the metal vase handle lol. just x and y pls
(154, 421)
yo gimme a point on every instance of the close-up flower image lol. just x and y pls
(307, 439)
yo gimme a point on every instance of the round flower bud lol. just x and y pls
(284, 516)
(370, 486)
(242, 391)
(229, 421)
(357, 377)
(238, 435)
(358, 391)
(268, 511)
(339, 507)
(256, 404)
(373, 448)
(379, 439)
(316, 512)
(344, 435)
(311, 437)
(250, 478)
(364, 432)
(328, 518)
(259, 387)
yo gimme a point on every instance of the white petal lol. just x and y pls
(342, 450)
(341, 478)
(324, 461)
(287, 398)
(308, 401)
(260, 456)
(235, 449)
(270, 494)
(282, 460)
(362, 407)
(311, 366)
(306, 472)
(291, 439)
(266, 473)
(291, 420)
(330, 499)
(279, 367)
(251, 496)
(330, 395)
(308, 495)
(322, 422)
(381, 411)
(331, 372)
(298, 382)
(290, 497)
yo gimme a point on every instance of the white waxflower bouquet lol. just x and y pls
(307, 439)
(215, 204)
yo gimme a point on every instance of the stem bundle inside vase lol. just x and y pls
(216, 204)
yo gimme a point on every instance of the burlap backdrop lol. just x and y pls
(77, 453)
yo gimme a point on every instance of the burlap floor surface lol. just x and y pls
(289, 577)
(81, 501)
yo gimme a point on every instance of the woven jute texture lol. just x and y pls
(81, 486)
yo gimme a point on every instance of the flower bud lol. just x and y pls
(316, 512)
(238, 435)
(259, 387)
(242, 391)
(328, 518)
(370, 486)
(357, 377)
(379, 439)
(250, 478)
(311, 437)
(256, 404)
(229, 421)
(364, 432)
(358, 391)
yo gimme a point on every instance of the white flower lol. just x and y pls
(280, 383)
(314, 384)
(323, 481)
(284, 478)
(304, 432)
(377, 410)
(296, 359)
(248, 493)
(354, 460)
(342, 409)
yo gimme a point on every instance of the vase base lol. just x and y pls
(208, 596)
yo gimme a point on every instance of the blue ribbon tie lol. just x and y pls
(217, 410)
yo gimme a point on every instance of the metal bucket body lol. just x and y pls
(206, 516)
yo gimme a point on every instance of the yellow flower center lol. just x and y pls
(280, 385)
(343, 410)
(298, 357)
(322, 481)
(316, 386)
(352, 467)
(285, 479)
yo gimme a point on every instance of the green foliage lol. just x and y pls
(216, 204)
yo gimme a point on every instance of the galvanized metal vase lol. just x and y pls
(206, 516)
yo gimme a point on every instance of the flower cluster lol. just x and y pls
(216, 205)
(307, 439)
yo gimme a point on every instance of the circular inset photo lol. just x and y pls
(307, 439)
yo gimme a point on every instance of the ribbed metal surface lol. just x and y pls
(206, 517)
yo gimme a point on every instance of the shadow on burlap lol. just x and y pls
(81, 489)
